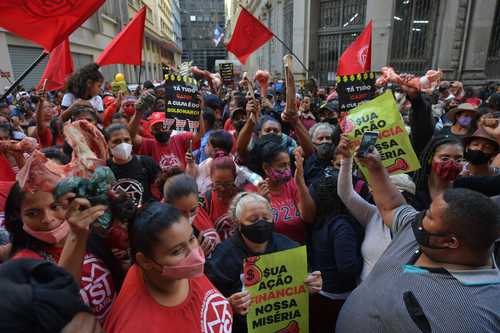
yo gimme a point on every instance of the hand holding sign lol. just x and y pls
(314, 282)
(241, 302)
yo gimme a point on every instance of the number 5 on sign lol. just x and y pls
(280, 301)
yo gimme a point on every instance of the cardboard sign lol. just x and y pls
(381, 114)
(181, 103)
(353, 90)
(227, 73)
(280, 300)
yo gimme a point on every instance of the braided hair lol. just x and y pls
(421, 177)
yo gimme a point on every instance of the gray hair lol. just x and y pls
(320, 127)
(241, 200)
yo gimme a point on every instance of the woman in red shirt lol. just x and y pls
(215, 202)
(41, 228)
(165, 290)
(291, 202)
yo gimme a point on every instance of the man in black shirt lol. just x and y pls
(134, 173)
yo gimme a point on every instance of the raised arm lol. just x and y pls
(253, 110)
(306, 204)
(80, 216)
(386, 195)
(301, 133)
(40, 126)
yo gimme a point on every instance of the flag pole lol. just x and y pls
(281, 41)
(24, 74)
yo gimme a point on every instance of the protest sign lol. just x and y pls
(381, 114)
(280, 301)
(227, 73)
(181, 103)
(355, 89)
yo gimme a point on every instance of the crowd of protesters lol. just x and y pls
(405, 253)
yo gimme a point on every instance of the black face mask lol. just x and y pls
(476, 157)
(238, 125)
(161, 137)
(332, 121)
(325, 151)
(259, 232)
(422, 236)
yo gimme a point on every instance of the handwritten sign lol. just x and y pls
(381, 114)
(227, 73)
(280, 301)
(353, 90)
(181, 103)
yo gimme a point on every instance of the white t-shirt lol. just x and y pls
(96, 101)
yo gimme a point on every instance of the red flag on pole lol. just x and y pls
(46, 23)
(59, 67)
(126, 47)
(249, 34)
(357, 58)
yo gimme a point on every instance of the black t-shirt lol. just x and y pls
(136, 177)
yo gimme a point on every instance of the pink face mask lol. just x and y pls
(53, 236)
(189, 267)
(280, 176)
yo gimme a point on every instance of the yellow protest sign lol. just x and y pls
(382, 115)
(280, 301)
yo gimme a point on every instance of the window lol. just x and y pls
(192, 18)
(414, 27)
(493, 60)
(340, 22)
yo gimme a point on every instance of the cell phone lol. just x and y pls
(367, 143)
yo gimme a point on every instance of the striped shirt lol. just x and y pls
(400, 297)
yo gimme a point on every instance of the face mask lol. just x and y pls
(464, 121)
(122, 151)
(190, 267)
(325, 151)
(53, 236)
(421, 235)
(225, 192)
(447, 170)
(259, 232)
(332, 121)
(162, 137)
(238, 125)
(476, 157)
(280, 177)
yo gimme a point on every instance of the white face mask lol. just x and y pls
(122, 151)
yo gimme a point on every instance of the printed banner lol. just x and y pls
(381, 114)
(227, 73)
(280, 301)
(355, 89)
(181, 103)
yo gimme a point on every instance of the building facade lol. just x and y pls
(461, 37)
(199, 20)
(89, 40)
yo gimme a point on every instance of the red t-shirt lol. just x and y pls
(215, 212)
(167, 154)
(97, 288)
(135, 310)
(7, 174)
(286, 214)
(46, 139)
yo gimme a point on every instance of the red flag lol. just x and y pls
(46, 23)
(126, 47)
(59, 67)
(357, 58)
(249, 34)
